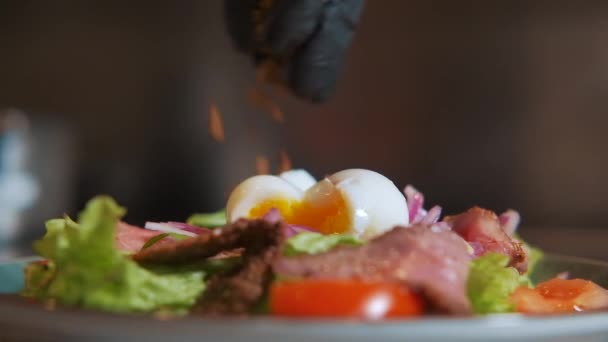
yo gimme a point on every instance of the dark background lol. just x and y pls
(500, 104)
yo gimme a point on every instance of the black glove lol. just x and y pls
(303, 42)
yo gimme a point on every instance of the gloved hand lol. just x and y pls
(301, 44)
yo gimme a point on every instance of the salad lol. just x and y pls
(351, 245)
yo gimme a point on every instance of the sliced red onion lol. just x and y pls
(563, 275)
(478, 249)
(294, 229)
(509, 221)
(189, 228)
(273, 216)
(415, 203)
(168, 228)
(432, 216)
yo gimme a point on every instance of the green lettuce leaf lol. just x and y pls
(88, 271)
(491, 283)
(37, 277)
(210, 220)
(314, 243)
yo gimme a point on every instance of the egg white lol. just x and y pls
(375, 204)
(299, 178)
(256, 190)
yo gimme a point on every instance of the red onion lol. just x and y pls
(294, 229)
(273, 216)
(509, 220)
(415, 203)
(432, 216)
(478, 248)
(176, 228)
(189, 228)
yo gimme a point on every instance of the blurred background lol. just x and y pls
(501, 104)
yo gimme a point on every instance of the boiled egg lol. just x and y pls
(357, 201)
(299, 178)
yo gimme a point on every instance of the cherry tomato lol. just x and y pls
(560, 296)
(343, 298)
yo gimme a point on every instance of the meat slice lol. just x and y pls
(130, 238)
(239, 291)
(436, 262)
(254, 236)
(482, 229)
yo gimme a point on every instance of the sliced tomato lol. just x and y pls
(561, 296)
(343, 298)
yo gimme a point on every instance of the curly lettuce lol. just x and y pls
(315, 243)
(85, 269)
(491, 282)
(208, 220)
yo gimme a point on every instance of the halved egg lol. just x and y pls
(255, 196)
(357, 201)
(299, 178)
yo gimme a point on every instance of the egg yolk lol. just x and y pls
(329, 217)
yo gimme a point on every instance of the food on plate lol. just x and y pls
(349, 246)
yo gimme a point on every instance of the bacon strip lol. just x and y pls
(252, 235)
(131, 238)
(482, 229)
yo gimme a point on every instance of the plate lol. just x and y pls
(24, 321)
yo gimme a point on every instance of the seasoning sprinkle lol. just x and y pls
(262, 165)
(216, 126)
(285, 162)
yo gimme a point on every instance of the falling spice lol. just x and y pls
(216, 127)
(270, 72)
(264, 101)
(262, 165)
(284, 161)
(277, 114)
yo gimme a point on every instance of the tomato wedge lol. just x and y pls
(560, 296)
(343, 298)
